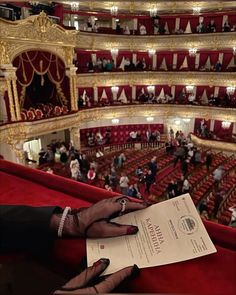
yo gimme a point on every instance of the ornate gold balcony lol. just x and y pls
(21, 131)
(214, 41)
(155, 78)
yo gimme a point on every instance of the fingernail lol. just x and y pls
(131, 230)
(135, 271)
(105, 261)
(102, 261)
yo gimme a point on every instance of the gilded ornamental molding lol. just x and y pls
(214, 144)
(155, 78)
(99, 41)
(21, 131)
(35, 32)
(162, 6)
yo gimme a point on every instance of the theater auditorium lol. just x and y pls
(122, 104)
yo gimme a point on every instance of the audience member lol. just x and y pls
(124, 184)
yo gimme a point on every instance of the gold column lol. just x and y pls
(71, 74)
(75, 137)
(11, 100)
(16, 98)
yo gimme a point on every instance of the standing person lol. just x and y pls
(208, 160)
(121, 160)
(217, 175)
(124, 184)
(179, 154)
(74, 168)
(185, 167)
(233, 216)
(153, 167)
(186, 186)
(148, 181)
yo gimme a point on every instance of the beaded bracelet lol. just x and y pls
(62, 221)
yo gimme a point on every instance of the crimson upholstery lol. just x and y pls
(213, 274)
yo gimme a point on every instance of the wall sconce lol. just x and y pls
(234, 50)
(114, 89)
(115, 121)
(230, 90)
(150, 119)
(114, 52)
(225, 124)
(151, 52)
(153, 12)
(114, 10)
(177, 122)
(74, 6)
(192, 51)
(151, 89)
(186, 120)
(189, 88)
(196, 10)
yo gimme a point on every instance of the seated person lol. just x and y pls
(169, 98)
(126, 64)
(118, 28)
(192, 98)
(201, 28)
(142, 30)
(126, 30)
(109, 65)
(226, 27)
(158, 28)
(141, 65)
(218, 66)
(99, 64)
(90, 66)
(211, 28)
(80, 101)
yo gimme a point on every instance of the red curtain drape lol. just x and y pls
(148, 60)
(222, 133)
(46, 65)
(226, 60)
(148, 23)
(83, 58)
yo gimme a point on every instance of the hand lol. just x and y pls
(82, 284)
(94, 222)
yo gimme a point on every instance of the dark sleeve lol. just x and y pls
(25, 228)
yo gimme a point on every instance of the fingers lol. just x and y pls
(111, 282)
(104, 229)
(85, 277)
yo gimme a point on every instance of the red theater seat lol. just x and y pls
(213, 274)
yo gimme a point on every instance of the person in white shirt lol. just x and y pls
(233, 216)
(142, 30)
(74, 168)
(191, 98)
(186, 186)
(133, 135)
(218, 174)
(124, 184)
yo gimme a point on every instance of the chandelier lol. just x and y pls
(151, 52)
(114, 52)
(225, 124)
(230, 90)
(151, 89)
(114, 89)
(186, 120)
(34, 3)
(192, 51)
(153, 12)
(74, 6)
(150, 119)
(114, 10)
(115, 121)
(189, 88)
(196, 10)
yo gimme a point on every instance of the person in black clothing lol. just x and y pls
(153, 167)
(208, 160)
(211, 28)
(171, 189)
(148, 181)
(34, 229)
(185, 167)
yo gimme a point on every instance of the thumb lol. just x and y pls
(111, 282)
